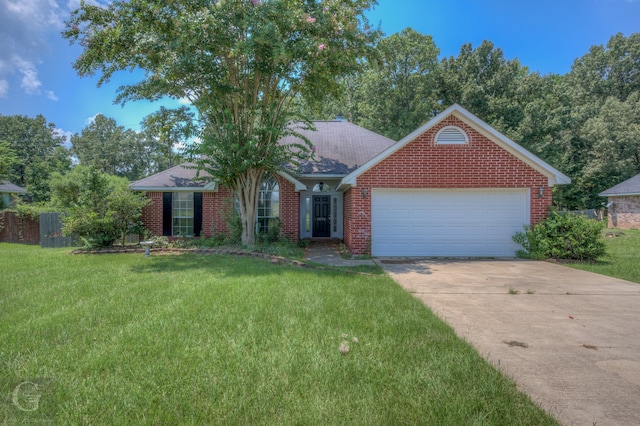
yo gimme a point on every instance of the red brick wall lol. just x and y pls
(423, 164)
(625, 212)
(152, 213)
(218, 206)
(289, 209)
(217, 209)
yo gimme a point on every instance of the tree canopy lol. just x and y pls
(250, 68)
(7, 159)
(37, 152)
(585, 123)
(239, 62)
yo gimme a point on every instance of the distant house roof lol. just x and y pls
(340, 147)
(183, 176)
(628, 187)
(6, 186)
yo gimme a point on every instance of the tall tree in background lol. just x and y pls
(165, 130)
(38, 150)
(240, 62)
(395, 92)
(600, 140)
(7, 159)
(398, 89)
(111, 149)
(486, 84)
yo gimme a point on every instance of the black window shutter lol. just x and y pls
(166, 213)
(197, 213)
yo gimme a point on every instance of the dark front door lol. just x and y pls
(321, 217)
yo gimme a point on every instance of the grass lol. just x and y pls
(192, 339)
(621, 258)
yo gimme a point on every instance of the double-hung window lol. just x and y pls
(268, 205)
(182, 214)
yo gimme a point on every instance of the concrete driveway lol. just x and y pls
(570, 339)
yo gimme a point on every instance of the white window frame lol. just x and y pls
(268, 208)
(182, 214)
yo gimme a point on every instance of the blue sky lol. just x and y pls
(36, 76)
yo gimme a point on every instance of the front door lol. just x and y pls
(321, 216)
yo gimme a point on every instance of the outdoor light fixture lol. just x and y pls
(364, 192)
(541, 192)
(321, 186)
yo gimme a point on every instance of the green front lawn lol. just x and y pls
(194, 339)
(621, 259)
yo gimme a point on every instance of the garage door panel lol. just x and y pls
(447, 223)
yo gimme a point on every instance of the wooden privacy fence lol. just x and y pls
(46, 231)
(16, 229)
(51, 232)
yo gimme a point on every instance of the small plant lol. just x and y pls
(304, 243)
(273, 233)
(344, 251)
(531, 292)
(160, 242)
(513, 291)
(562, 236)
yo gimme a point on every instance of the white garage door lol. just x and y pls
(457, 223)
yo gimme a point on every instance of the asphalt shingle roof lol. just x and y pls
(340, 147)
(6, 186)
(628, 187)
(181, 176)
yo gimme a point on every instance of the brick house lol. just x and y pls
(453, 187)
(624, 204)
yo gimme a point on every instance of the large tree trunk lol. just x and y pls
(247, 189)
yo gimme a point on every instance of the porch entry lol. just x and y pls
(321, 216)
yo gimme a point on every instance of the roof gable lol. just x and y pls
(628, 187)
(554, 176)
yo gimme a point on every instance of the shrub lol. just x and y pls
(234, 223)
(562, 236)
(102, 209)
(273, 234)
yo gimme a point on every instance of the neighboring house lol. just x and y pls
(453, 187)
(8, 191)
(624, 204)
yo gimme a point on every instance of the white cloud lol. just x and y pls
(26, 28)
(91, 119)
(66, 135)
(52, 96)
(30, 81)
(4, 88)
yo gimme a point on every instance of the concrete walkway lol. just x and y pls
(328, 254)
(570, 339)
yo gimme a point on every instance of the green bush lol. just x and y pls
(562, 236)
(101, 209)
(234, 223)
(273, 234)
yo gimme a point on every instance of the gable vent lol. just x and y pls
(451, 135)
